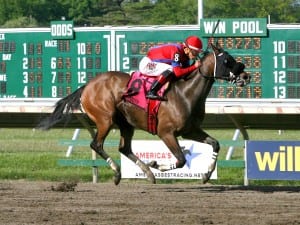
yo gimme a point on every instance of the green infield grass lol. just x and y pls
(33, 155)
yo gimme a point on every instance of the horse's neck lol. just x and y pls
(204, 77)
(196, 89)
(202, 84)
(206, 73)
(197, 85)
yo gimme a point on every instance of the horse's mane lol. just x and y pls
(204, 56)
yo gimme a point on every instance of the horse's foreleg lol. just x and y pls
(203, 137)
(97, 146)
(176, 150)
(213, 162)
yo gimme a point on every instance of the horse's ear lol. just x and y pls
(216, 48)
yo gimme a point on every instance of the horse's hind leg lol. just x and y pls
(97, 146)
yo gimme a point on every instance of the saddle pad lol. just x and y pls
(137, 88)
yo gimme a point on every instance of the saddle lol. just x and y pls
(137, 88)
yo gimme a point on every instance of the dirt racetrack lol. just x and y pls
(43, 203)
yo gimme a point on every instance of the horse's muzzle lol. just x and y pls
(243, 79)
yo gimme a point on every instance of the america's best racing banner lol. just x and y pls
(198, 155)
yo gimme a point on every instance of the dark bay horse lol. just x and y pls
(182, 115)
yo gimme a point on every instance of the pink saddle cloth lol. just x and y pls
(137, 88)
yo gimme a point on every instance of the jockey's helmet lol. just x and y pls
(194, 43)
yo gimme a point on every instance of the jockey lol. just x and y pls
(170, 60)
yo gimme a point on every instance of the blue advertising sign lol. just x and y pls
(273, 160)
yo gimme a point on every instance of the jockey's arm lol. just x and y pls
(179, 71)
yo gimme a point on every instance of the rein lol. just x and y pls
(215, 66)
(226, 78)
(207, 77)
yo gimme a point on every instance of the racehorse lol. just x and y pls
(181, 115)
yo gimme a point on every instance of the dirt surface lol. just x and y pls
(23, 202)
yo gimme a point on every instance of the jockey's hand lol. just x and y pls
(210, 41)
(198, 63)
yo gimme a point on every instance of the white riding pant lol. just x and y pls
(151, 68)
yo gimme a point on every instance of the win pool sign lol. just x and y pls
(237, 27)
(273, 160)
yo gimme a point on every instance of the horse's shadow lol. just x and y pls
(234, 188)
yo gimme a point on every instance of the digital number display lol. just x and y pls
(65, 70)
(286, 68)
(34, 65)
(248, 51)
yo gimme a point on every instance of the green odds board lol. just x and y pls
(53, 62)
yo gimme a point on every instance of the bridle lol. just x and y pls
(232, 78)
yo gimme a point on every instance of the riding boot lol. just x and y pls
(156, 86)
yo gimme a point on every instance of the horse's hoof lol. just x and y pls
(151, 177)
(153, 164)
(117, 178)
(205, 177)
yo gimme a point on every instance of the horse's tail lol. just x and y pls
(63, 109)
